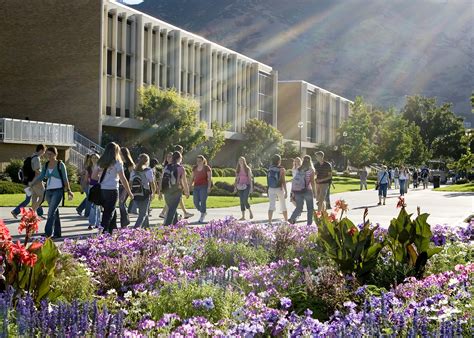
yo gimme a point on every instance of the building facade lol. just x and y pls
(321, 112)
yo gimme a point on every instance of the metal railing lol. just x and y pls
(83, 144)
(76, 159)
(34, 132)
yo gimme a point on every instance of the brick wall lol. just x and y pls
(50, 62)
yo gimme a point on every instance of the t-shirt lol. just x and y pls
(111, 178)
(363, 174)
(243, 177)
(35, 162)
(323, 172)
(150, 176)
(200, 176)
(308, 175)
(382, 177)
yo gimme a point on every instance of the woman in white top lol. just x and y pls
(296, 164)
(111, 163)
(143, 186)
(402, 178)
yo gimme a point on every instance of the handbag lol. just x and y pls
(95, 193)
(241, 186)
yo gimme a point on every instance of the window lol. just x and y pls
(108, 110)
(153, 70)
(117, 111)
(119, 64)
(311, 117)
(127, 66)
(109, 62)
(145, 71)
(265, 98)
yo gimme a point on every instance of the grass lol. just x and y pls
(342, 184)
(466, 187)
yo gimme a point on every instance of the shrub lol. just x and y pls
(72, 173)
(184, 300)
(215, 191)
(12, 169)
(452, 255)
(259, 172)
(7, 187)
(72, 280)
(229, 172)
(219, 253)
(225, 186)
(216, 172)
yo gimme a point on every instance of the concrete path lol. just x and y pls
(443, 207)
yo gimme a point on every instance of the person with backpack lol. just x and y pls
(112, 172)
(276, 188)
(303, 186)
(142, 182)
(57, 183)
(84, 182)
(243, 184)
(93, 171)
(323, 171)
(30, 170)
(128, 167)
(173, 184)
(202, 181)
(382, 184)
(425, 175)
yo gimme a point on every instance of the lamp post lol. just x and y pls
(300, 127)
(344, 135)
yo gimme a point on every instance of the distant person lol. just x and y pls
(173, 185)
(201, 180)
(392, 174)
(363, 174)
(93, 171)
(396, 178)
(30, 170)
(243, 184)
(84, 183)
(323, 171)
(111, 163)
(55, 173)
(276, 183)
(128, 167)
(143, 186)
(304, 188)
(382, 182)
(402, 177)
(390, 178)
(93, 150)
(415, 178)
(425, 175)
(296, 164)
(186, 214)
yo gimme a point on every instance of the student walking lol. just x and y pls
(323, 171)
(128, 167)
(304, 189)
(142, 181)
(382, 183)
(186, 214)
(402, 177)
(30, 170)
(396, 177)
(296, 164)
(243, 184)
(112, 171)
(84, 180)
(54, 171)
(363, 178)
(173, 184)
(202, 181)
(93, 171)
(276, 183)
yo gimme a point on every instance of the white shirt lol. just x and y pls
(53, 182)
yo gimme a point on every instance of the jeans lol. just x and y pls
(24, 204)
(328, 198)
(244, 198)
(200, 198)
(172, 199)
(383, 189)
(396, 182)
(54, 198)
(363, 184)
(109, 216)
(124, 217)
(94, 215)
(85, 205)
(300, 198)
(402, 187)
(143, 206)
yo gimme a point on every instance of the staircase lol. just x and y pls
(81, 149)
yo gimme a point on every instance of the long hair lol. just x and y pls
(127, 158)
(110, 156)
(165, 162)
(246, 166)
(176, 157)
(307, 163)
(142, 163)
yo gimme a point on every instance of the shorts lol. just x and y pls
(273, 193)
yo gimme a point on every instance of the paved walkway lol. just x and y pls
(444, 208)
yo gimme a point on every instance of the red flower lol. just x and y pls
(29, 221)
(341, 205)
(352, 231)
(29, 259)
(333, 216)
(35, 246)
(318, 214)
(401, 203)
(4, 232)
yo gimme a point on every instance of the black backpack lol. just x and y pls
(95, 193)
(138, 185)
(27, 174)
(170, 178)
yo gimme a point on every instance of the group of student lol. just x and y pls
(115, 178)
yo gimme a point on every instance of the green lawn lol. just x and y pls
(467, 187)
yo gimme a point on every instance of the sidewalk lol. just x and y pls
(444, 208)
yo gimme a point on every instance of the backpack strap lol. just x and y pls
(103, 175)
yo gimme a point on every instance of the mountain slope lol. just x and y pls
(382, 50)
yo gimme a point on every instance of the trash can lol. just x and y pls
(436, 180)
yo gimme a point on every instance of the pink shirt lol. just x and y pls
(243, 177)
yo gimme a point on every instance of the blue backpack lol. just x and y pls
(273, 177)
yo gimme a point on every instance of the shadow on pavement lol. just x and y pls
(459, 194)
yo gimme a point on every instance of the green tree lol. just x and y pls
(358, 147)
(395, 143)
(213, 144)
(261, 142)
(290, 150)
(419, 153)
(441, 131)
(169, 119)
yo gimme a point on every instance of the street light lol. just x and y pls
(300, 126)
(344, 135)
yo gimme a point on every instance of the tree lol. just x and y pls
(213, 144)
(442, 132)
(395, 143)
(289, 150)
(419, 153)
(358, 146)
(261, 142)
(169, 119)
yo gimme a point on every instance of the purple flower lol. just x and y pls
(285, 303)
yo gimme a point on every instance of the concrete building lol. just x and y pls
(321, 112)
(81, 63)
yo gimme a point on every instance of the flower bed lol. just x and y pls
(242, 279)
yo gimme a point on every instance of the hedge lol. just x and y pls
(7, 187)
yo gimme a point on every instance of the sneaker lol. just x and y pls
(14, 215)
(188, 215)
(78, 212)
(379, 203)
(161, 216)
(250, 214)
(90, 227)
(203, 215)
